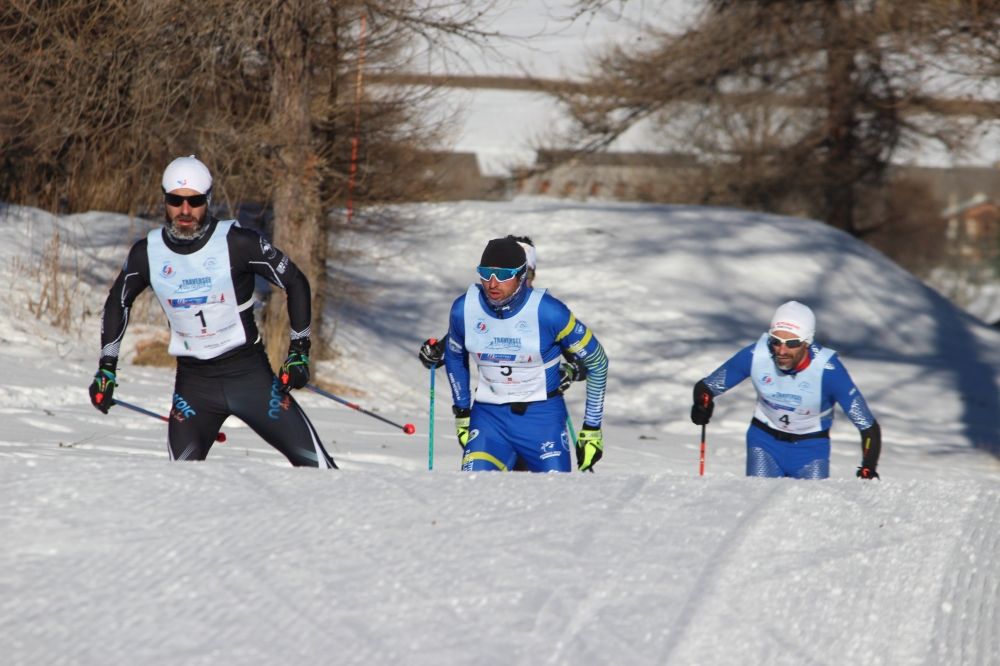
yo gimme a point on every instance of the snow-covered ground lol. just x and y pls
(109, 554)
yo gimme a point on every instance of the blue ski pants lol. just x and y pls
(771, 457)
(498, 435)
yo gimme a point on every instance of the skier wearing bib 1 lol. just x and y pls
(517, 335)
(797, 384)
(202, 272)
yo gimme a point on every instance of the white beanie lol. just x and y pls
(529, 253)
(795, 318)
(187, 172)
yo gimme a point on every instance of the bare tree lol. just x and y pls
(96, 98)
(797, 105)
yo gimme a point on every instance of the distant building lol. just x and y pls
(621, 176)
(972, 228)
(970, 213)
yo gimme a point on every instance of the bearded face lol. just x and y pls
(185, 222)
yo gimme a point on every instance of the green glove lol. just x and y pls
(103, 388)
(462, 419)
(589, 448)
(294, 373)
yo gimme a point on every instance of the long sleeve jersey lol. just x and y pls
(250, 254)
(837, 386)
(559, 330)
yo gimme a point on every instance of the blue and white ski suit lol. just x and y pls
(789, 434)
(518, 409)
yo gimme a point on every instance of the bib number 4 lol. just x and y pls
(784, 419)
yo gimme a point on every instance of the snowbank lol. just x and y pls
(110, 554)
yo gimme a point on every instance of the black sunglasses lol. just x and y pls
(793, 343)
(177, 200)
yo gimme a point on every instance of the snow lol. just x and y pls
(110, 554)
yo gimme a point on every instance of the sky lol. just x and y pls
(504, 128)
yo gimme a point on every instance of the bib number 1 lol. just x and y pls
(201, 315)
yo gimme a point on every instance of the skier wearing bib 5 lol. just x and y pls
(202, 272)
(517, 335)
(797, 384)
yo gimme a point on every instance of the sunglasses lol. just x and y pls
(177, 200)
(501, 274)
(791, 343)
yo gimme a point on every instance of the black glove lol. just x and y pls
(570, 372)
(871, 448)
(102, 389)
(704, 404)
(295, 370)
(462, 419)
(432, 353)
(589, 448)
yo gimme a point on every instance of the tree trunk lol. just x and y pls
(838, 169)
(298, 228)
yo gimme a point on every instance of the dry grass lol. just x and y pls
(152, 351)
(57, 291)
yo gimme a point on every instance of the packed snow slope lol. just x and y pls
(110, 554)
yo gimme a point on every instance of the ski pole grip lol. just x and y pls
(433, 341)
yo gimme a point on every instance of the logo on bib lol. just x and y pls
(766, 379)
(167, 270)
(481, 326)
(211, 264)
(194, 284)
(497, 358)
(196, 300)
(805, 388)
(522, 327)
(787, 398)
(505, 343)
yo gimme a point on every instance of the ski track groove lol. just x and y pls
(586, 610)
(722, 553)
(967, 631)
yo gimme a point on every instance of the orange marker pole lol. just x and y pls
(701, 467)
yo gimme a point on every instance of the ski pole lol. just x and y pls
(220, 437)
(430, 428)
(572, 435)
(408, 428)
(701, 469)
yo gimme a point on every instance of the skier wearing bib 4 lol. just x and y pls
(202, 272)
(517, 335)
(797, 384)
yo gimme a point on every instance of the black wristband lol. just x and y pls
(461, 412)
(700, 389)
(300, 346)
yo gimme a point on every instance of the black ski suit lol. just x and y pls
(239, 381)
